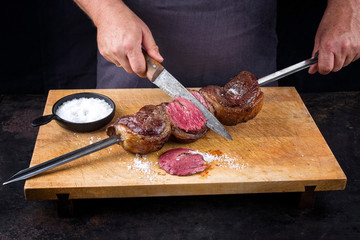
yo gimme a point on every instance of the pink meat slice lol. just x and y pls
(182, 162)
(185, 115)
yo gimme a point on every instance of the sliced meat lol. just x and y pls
(185, 115)
(143, 132)
(188, 123)
(238, 101)
(182, 162)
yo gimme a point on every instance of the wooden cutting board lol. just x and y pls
(281, 150)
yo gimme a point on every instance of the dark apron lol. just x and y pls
(203, 42)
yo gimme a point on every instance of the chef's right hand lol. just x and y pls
(120, 36)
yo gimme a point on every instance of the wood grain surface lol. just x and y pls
(281, 150)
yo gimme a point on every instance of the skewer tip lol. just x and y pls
(10, 181)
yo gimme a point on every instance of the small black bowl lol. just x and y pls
(77, 127)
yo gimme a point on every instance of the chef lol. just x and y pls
(208, 42)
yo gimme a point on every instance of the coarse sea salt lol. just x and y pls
(141, 164)
(94, 139)
(84, 110)
(233, 91)
(222, 161)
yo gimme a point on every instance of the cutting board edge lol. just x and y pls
(161, 190)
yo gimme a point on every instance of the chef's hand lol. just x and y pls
(120, 34)
(338, 36)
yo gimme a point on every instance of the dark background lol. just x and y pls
(44, 40)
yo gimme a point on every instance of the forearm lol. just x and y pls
(343, 8)
(351, 3)
(97, 10)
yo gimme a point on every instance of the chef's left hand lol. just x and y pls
(338, 36)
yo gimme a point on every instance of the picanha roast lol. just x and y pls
(151, 127)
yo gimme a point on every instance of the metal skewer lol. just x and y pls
(42, 167)
(289, 70)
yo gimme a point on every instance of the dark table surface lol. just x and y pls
(335, 215)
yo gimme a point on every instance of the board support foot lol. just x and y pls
(64, 206)
(307, 198)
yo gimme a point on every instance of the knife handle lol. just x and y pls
(153, 67)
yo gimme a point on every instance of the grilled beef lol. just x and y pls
(143, 132)
(238, 101)
(147, 130)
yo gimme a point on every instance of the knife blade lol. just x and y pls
(159, 76)
(287, 71)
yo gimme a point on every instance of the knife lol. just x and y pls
(289, 70)
(159, 76)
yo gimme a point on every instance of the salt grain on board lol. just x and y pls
(141, 164)
(223, 160)
(84, 110)
(94, 139)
